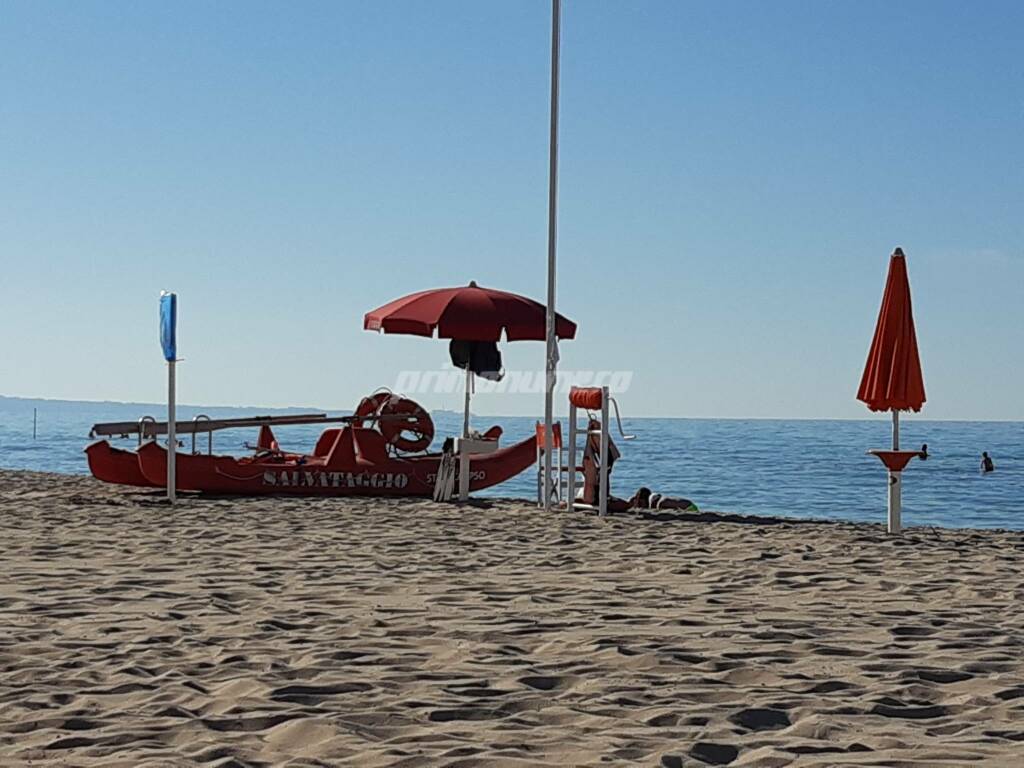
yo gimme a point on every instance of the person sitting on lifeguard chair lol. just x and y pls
(642, 499)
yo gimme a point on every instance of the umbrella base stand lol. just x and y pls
(895, 462)
(895, 501)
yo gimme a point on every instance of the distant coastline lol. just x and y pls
(126, 403)
(919, 418)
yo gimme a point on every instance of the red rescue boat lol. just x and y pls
(350, 461)
(116, 465)
(384, 458)
(380, 450)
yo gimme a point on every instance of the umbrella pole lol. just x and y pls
(552, 348)
(469, 388)
(895, 501)
(895, 481)
(464, 449)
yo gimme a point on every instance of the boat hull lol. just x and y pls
(312, 476)
(116, 465)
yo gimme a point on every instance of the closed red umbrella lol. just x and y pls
(469, 313)
(892, 379)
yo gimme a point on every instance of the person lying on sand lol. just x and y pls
(645, 499)
(642, 499)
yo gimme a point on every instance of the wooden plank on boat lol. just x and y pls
(153, 428)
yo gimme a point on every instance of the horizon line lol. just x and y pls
(866, 418)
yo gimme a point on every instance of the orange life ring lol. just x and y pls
(400, 416)
(369, 406)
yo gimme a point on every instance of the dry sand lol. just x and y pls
(399, 633)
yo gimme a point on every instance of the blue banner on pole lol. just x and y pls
(169, 325)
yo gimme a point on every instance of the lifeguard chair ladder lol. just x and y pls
(590, 399)
(558, 467)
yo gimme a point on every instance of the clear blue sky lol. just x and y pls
(734, 176)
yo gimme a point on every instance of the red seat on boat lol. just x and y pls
(341, 455)
(370, 447)
(266, 440)
(326, 442)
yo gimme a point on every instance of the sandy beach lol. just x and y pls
(231, 632)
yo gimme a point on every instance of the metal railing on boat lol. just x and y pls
(209, 435)
(148, 427)
(141, 425)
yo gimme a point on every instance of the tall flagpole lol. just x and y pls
(551, 357)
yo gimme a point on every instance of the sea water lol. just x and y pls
(795, 468)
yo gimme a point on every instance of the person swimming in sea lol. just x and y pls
(923, 453)
(987, 464)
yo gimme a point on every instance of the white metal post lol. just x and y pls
(603, 508)
(551, 356)
(895, 501)
(895, 481)
(559, 471)
(469, 389)
(540, 465)
(463, 444)
(570, 492)
(172, 440)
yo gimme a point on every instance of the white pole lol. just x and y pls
(570, 492)
(463, 447)
(605, 463)
(172, 440)
(469, 387)
(540, 468)
(551, 355)
(895, 501)
(895, 481)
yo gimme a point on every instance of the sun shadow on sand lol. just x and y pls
(719, 517)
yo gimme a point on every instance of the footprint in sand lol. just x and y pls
(714, 754)
(544, 682)
(941, 676)
(462, 713)
(760, 719)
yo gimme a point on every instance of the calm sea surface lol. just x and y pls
(794, 468)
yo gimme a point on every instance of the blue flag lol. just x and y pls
(169, 325)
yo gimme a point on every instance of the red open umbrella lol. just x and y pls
(892, 379)
(468, 313)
